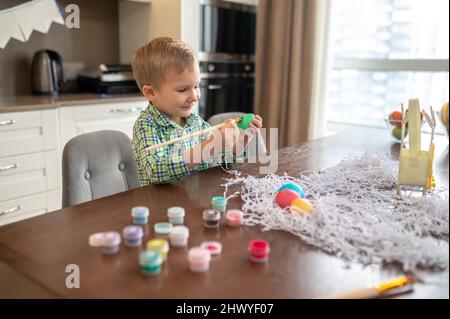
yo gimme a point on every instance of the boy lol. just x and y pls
(167, 73)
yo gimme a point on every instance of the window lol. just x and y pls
(384, 53)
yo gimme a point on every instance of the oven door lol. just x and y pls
(226, 94)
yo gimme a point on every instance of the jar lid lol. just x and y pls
(110, 238)
(158, 244)
(174, 212)
(133, 232)
(211, 215)
(198, 254)
(140, 211)
(214, 247)
(150, 258)
(162, 228)
(179, 232)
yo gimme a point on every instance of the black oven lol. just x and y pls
(226, 87)
(227, 28)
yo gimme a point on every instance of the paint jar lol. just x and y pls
(133, 236)
(140, 215)
(211, 218)
(162, 228)
(179, 236)
(150, 262)
(109, 242)
(160, 245)
(234, 217)
(259, 251)
(199, 259)
(176, 215)
(214, 247)
(219, 203)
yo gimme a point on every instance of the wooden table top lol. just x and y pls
(36, 251)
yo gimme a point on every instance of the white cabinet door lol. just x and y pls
(78, 120)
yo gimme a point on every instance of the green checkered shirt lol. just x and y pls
(166, 164)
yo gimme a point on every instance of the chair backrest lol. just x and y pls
(97, 164)
(256, 146)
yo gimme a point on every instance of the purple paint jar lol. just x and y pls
(133, 236)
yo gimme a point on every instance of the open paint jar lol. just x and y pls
(176, 215)
(150, 262)
(199, 259)
(259, 251)
(214, 247)
(235, 217)
(160, 245)
(140, 215)
(133, 236)
(211, 218)
(178, 236)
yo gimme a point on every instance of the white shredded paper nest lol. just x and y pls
(357, 213)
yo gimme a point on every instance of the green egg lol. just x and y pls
(246, 120)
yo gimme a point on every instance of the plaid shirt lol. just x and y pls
(166, 164)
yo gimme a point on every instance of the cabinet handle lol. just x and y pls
(8, 167)
(7, 122)
(129, 110)
(11, 210)
(215, 87)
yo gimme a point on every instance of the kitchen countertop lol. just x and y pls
(24, 103)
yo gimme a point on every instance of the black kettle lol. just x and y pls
(46, 73)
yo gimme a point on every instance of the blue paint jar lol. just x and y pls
(219, 203)
(140, 215)
(150, 262)
(293, 187)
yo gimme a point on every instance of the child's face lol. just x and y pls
(178, 94)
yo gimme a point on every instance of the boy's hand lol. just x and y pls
(256, 124)
(229, 134)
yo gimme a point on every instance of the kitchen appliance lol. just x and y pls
(227, 31)
(226, 87)
(226, 56)
(46, 73)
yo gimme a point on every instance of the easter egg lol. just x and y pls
(395, 118)
(397, 132)
(302, 206)
(285, 197)
(444, 115)
(295, 188)
(246, 120)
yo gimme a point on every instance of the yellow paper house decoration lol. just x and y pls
(416, 165)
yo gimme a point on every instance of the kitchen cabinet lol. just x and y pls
(29, 164)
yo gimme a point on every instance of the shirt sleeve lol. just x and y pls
(162, 165)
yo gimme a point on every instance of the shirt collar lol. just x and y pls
(163, 120)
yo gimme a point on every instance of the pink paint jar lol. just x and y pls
(235, 217)
(259, 251)
(199, 259)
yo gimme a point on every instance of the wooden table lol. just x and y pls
(34, 253)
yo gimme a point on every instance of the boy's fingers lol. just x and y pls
(254, 128)
(257, 122)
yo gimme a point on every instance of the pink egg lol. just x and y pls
(285, 197)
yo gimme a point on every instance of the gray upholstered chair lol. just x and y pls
(256, 146)
(97, 164)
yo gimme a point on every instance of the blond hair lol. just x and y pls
(152, 62)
